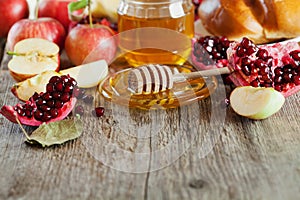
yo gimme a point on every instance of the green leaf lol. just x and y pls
(77, 5)
(56, 132)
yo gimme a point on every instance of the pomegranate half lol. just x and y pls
(276, 65)
(53, 105)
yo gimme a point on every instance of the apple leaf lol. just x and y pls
(77, 5)
(56, 132)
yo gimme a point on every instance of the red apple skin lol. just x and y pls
(82, 44)
(11, 12)
(56, 9)
(44, 27)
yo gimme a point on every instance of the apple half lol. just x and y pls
(256, 102)
(33, 56)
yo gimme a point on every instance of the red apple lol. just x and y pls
(57, 9)
(86, 44)
(44, 27)
(11, 12)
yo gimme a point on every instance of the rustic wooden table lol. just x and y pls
(185, 153)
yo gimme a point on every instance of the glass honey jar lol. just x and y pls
(155, 31)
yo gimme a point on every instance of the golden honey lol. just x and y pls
(155, 31)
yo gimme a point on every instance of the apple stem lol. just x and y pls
(90, 14)
(11, 53)
(33, 8)
(36, 10)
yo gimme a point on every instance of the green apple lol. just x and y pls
(256, 102)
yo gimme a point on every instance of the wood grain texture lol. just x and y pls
(250, 160)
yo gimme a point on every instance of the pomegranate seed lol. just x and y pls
(20, 112)
(50, 87)
(277, 79)
(28, 113)
(98, 112)
(38, 115)
(246, 43)
(264, 70)
(262, 54)
(240, 52)
(246, 61)
(65, 97)
(73, 81)
(255, 83)
(287, 68)
(68, 88)
(295, 55)
(278, 88)
(88, 99)
(79, 110)
(53, 113)
(269, 61)
(278, 71)
(51, 103)
(46, 117)
(79, 93)
(296, 80)
(259, 63)
(40, 101)
(44, 108)
(54, 79)
(59, 86)
(64, 78)
(287, 77)
(246, 70)
(35, 96)
(47, 96)
(56, 95)
(59, 104)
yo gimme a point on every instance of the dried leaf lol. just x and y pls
(56, 132)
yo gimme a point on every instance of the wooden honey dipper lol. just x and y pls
(157, 78)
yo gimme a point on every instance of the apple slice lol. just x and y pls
(88, 75)
(25, 89)
(33, 56)
(256, 102)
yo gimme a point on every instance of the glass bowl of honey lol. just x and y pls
(115, 89)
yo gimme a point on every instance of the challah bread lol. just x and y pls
(260, 20)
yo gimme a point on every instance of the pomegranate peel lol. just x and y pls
(10, 113)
